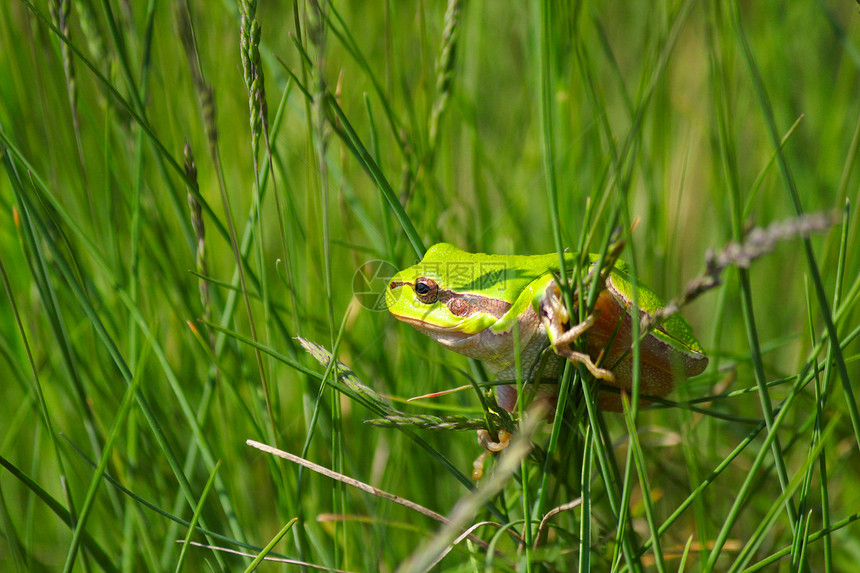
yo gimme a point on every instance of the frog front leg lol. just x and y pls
(554, 316)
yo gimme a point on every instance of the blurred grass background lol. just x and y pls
(471, 110)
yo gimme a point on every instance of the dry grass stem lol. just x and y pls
(359, 485)
(552, 513)
(758, 242)
(268, 558)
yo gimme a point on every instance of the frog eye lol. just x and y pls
(427, 290)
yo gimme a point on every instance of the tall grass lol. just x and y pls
(194, 194)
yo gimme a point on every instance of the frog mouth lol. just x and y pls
(434, 330)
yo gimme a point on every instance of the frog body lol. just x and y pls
(470, 302)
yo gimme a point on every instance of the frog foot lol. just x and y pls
(486, 441)
(490, 447)
(554, 316)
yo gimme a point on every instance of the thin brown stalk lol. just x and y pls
(268, 558)
(360, 485)
(758, 242)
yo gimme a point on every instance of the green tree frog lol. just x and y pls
(470, 302)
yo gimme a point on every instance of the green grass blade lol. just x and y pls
(196, 517)
(271, 545)
(101, 557)
(365, 160)
(639, 463)
(96, 479)
(791, 188)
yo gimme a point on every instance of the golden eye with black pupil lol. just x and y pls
(427, 290)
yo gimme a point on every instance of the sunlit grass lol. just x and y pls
(155, 296)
